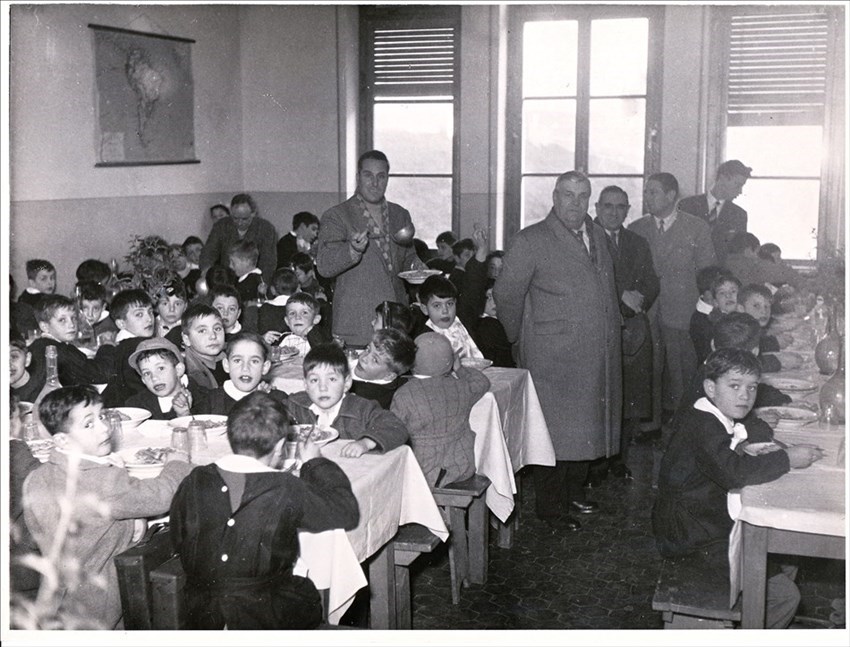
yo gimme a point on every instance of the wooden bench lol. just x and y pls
(411, 541)
(468, 520)
(694, 595)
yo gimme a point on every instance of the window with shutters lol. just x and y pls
(410, 107)
(583, 93)
(776, 67)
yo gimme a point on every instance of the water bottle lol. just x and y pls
(51, 382)
(820, 318)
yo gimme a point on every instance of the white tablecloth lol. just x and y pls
(390, 490)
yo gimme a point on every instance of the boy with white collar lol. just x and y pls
(243, 258)
(438, 301)
(377, 372)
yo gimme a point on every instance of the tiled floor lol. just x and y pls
(602, 577)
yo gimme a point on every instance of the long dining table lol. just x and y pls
(391, 491)
(804, 511)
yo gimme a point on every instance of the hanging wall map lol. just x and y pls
(145, 98)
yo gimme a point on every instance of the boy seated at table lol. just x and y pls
(490, 335)
(203, 344)
(41, 281)
(169, 393)
(305, 270)
(246, 362)
(706, 458)
(756, 300)
(25, 386)
(377, 372)
(110, 505)
(302, 320)
(132, 311)
(243, 257)
(327, 403)
(226, 300)
(438, 299)
(93, 304)
(57, 319)
(239, 575)
(720, 297)
(435, 405)
(170, 306)
(272, 314)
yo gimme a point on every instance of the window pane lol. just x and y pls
(417, 137)
(549, 51)
(777, 150)
(784, 212)
(631, 185)
(536, 199)
(618, 56)
(548, 135)
(616, 135)
(429, 201)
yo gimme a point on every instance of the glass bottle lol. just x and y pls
(828, 350)
(262, 290)
(116, 429)
(51, 381)
(85, 332)
(832, 397)
(820, 318)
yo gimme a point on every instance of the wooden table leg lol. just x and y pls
(479, 544)
(382, 598)
(754, 576)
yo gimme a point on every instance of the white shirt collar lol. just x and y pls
(103, 315)
(703, 307)
(242, 464)
(460, 338)
(123, 334)
(279, 300)
(326, 417)
(712, 200)
(668, 220)
(735, 429)
(236, 328)
(256, 270)
(30, 290)
(231, 390)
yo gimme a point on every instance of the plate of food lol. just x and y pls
(757, 449)
(212, 423)
(318, 436)
(144, 463)
(788, 384)
(41, 448)
(131, 417)
(284, 353)
(791, 414)
(417, 277)
(476, 362)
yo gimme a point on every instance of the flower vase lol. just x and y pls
(832, 397)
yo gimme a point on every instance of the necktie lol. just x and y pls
(660, 226)
(615, 237)
(580, 238)
(712, 215)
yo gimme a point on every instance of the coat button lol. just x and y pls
(224, 488)
(224, 557)
(230, 522)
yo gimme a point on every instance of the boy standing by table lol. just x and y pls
(132, 311)
(41, 280)
(234, 524)
(203, 341)
(707, 458)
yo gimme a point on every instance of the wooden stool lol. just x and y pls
(411, 541)
(693, 595)
(468, 547)
(134, 566)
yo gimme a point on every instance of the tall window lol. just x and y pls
(775, 63)
(582, 95)
(409, 106)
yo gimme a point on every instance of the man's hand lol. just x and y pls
(358, 448)
(633, 299)
(359, 241)
(182, 403)
(482, 244)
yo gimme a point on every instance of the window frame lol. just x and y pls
(514, 100)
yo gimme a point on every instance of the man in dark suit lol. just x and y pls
(716, 207)
(637, 286)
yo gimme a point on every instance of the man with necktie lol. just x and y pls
(724, 217)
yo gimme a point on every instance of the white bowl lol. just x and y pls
(136, 469)
(136, 416)
(476, 362)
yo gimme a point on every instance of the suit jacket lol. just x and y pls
(633, 269)
(224, 233)
(731, 220)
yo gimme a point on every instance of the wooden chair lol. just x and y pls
(462, 502)
(692, 595)
(134, 566)
(411, 541)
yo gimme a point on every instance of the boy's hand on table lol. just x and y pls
(308, 450)
(803, 455)
(177, 455)
(271, 336)
(182, 403)
(139, 528)
(358, 448)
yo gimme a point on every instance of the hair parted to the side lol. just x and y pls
(54, 409)
(726, 360)
(327, 355)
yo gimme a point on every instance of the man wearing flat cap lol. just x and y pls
(716, 207)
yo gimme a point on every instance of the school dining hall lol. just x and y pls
(460, 322)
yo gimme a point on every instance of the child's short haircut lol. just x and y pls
(194, 240)
(724, 360)
(304, 218)
(327, 355)
(304, 299)
(464, 245)
(93, 270)
(49, 304)
(767, 251)
(244, 335)
(220, 275)
(223, 290)
(395, 315)
(219, 206)
(398, 347)
(164, 353)
(284, 281)
(706, 276)
(126, 299)
(91, 291)
(743, 240)
(246, 250)
(736, 330)
(174, 288)
(36, 265)
(17, 342)
(302, 261)
(256, 424)
(436, 286)
(722, 279)
(54, 409)
(447, 237)
(197, 311)
(754, 288)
